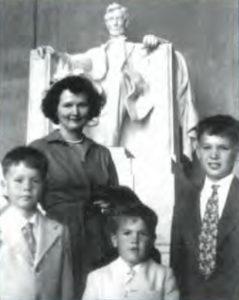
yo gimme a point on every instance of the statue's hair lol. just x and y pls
(116, 6)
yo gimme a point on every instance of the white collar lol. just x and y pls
(125, 267)
(226, 181)
(20, 221)
(224, 185)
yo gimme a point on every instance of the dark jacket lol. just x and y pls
(224, 282)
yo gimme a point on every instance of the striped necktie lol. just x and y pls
(27, 231)
(208, 235)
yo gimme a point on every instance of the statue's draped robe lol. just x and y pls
(148, 98)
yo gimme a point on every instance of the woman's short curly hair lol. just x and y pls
(76, 85)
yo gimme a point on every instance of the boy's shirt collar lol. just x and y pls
(223, 190)
(222, 182)
(125, 267)
(20, 221)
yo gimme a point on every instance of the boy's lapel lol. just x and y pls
(230, 215)
(197, 215)
(192, 221)
(49, 233)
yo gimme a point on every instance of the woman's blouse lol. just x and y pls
(75, 170)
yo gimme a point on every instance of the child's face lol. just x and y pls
(24, 186)
(132, 240)
(217, 155)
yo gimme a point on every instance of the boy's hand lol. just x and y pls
(103, 205)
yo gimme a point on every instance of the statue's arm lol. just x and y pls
(80, 61)
(64, 64)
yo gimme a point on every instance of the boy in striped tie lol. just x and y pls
(205, 234)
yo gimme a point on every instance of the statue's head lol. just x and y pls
(116, 19)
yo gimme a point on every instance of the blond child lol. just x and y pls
(35, 255)
(133, 275)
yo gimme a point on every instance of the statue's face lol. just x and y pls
(115, 23)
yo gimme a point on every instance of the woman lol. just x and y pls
(77, 165)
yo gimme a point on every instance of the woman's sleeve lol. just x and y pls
(113, 176)
(67, 275)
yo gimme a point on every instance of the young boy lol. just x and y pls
(133, 275)
(34, 250)
(205, 234)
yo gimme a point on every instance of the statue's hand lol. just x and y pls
(152, 41)
(44, 50)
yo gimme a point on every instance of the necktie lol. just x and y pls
(27, 231)
(129, 277)
(208, 235)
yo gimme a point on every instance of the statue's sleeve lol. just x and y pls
(71, 64)
(91, 63)
(188, 116)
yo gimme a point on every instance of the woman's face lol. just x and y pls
(73, 111)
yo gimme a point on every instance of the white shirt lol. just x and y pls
(129, 272)
(149, 281)
(223, 190)
(19, 221)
